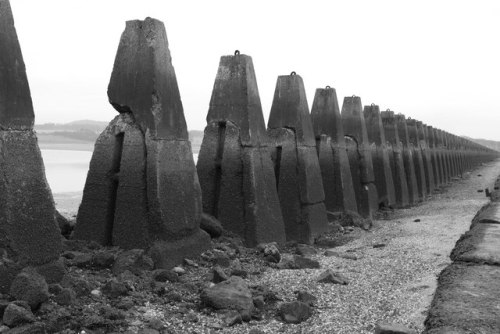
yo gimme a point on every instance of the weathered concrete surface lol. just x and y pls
(142, 189)
(297, 170)
(431, 142)
(234, 164)
(28, 229)
(16, 107)
(396, 158)
(235, 98)
(143, 81)
(332, 155)
(479, 245)
(380, 156)
(426, 156)
(467, 299)
(418, 160)
(29, 234)
(490, 215)
(411, 175)
(359, 154)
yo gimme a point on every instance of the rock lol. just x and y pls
(259, 302)
(294, 312)
(191, 263)
(31, 287)
(271, 251)
(53, 272)
(379, 245)
(65, 297)
(211, 225)
(232, 318)
(306, 297)
(55, 288)
(103, 260)
(64, 224)
(179, 270)
(305, 250)
(115, 289)
(256, 331)
(134, 260)
(329, 276)
(163, 275)
(232, 294)
(239, 272)
(78, 284)
(385, 328)
(219, 275)
(82, 260)
(4, 329)
(221, 258)
(96, 293)
(16, 315)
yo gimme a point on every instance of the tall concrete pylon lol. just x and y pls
(396, 158)
(426, 155)
(332, 154)
(380, 156)
(29, 234)
(298, 175)
(142, 190)
(410, 170)
(360, 158)
(418, 160)
(234, 165)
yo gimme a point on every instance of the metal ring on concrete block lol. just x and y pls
(236, 52)
(293, 73)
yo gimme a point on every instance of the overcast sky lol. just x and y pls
(437, 61)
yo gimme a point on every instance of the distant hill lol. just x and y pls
(494, 145)
(82, 134)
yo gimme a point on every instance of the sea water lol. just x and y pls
(66, 170)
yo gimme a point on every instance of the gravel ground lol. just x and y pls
(392, 282)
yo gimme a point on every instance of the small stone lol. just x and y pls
(115, 289)
(163, 275)
(306, 297)
(232, 318)
(156, 324)
(219, 275)
(191, 317)
(191, 263)
(329, 276)
(239, 272)
(78, 284)
(16, 315)
(96, 293)
(305, 250)
(4, 329)
(294, 312)
(173, 296)
(179, 270)
(65, 297)
(330, 252)
(256, 331)
(222, 259)
(271, 252)
(380, 245)
(259, 302)
(301, 262)
(82, 260)
(148, 331)
(125, 304)
(31, 287)
(417, 220)
(385, 328)
(211, 225)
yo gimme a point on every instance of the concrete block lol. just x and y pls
(479, 245)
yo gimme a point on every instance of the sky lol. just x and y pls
(436, 61)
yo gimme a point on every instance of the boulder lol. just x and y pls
(31, 287)
(295, 312)
(211, 225)
(329, 276)
(232, 294)
(15, 315)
